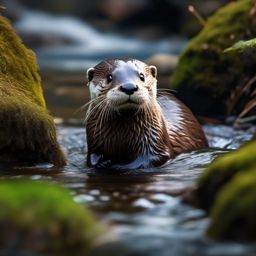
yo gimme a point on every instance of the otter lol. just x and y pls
(131, 126)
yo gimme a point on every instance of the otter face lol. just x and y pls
(123, 83)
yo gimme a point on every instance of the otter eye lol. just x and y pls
(109, 78)
(142, 77)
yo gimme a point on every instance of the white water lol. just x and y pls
(87, 44)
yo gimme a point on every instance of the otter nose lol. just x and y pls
(129, 88)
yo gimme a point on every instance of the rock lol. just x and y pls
(42, 218)
(233, 214)
(27, 131)
(221, 172)
(205, 77)
(227, 191)
(165, 64)
(117, 10)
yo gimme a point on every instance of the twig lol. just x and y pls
(249, 106)
(245, 120)
(196, 14)
(240, 91)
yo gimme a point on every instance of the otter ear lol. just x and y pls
(153, 70)
(90, 73)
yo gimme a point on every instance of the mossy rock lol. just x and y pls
(43, 218)
(27, 131)
(221, 172)
(205, 77)
(233, 214)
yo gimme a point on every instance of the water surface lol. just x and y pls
(142, 207)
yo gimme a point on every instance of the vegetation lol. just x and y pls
(242, 46)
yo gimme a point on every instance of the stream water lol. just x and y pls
(142, 208)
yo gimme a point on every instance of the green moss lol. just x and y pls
(39, 217)
(222, 170)
(205, 76)
(233, 215)
(27, 132)
(19, 63)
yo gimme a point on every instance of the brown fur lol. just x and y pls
(190, 136)
(137, 138)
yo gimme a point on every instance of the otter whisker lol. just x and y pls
(83, 107)
(89, 105)
(102, 118)
(101, 114)
(91, 110)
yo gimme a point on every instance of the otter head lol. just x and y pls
(123, 83)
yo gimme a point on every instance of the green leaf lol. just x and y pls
(242, 46)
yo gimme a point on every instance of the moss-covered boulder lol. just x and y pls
(27, 131)
(205, 77)
(42, 218)
(233, 214)
(222, 171)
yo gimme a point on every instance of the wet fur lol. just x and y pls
(142, 137)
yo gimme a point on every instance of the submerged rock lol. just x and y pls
(27, 131)
(205, 77)
(42, 218)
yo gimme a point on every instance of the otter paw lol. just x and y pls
(98, 161)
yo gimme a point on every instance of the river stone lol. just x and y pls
(221, 172)
(38, 217)
(27, 131)
(206, 78)
(165, 64)
(233, 214)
